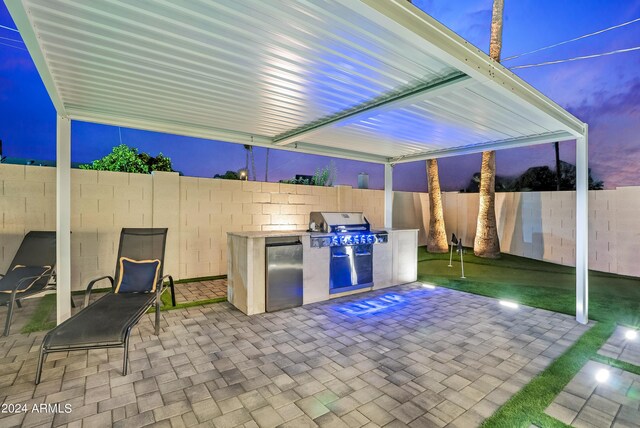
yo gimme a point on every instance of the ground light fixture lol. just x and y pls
(602, 375)
(429, 286)
(509, 304)
(631, 335)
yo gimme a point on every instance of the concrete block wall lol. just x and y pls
(200, 211)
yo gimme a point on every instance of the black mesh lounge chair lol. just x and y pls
(29, 273)
(107, 322)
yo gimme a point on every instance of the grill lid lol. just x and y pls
(338, 221)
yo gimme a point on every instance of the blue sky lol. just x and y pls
(605, 92)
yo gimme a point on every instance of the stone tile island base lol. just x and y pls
(394, 263)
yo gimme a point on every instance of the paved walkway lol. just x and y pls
(614, 402)
(402, 356)
(620, 348)
(201, 290)
(586, 403)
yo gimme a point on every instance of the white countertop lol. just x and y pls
(281, 233)
(269, 233)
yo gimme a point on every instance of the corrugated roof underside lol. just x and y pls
(464, 117)
(255, 67)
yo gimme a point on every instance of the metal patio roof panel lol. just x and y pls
(277, 65)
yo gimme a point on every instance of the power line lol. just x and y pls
(9, 28)
(576, 58)
(572, 40)
(12, 46)
(13, 40)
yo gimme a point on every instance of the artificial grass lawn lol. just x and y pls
(613, 299)
(40, 319)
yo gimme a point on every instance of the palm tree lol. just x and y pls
(487, 243)
(437, 236)
(266, 166)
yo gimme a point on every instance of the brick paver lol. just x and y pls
(400, 356)
(585, 402)
(621, 348)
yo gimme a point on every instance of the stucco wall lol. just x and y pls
(199, 212)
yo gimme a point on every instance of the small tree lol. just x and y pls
(127, 159)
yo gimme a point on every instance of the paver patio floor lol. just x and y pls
(585, 403)
(620, 348)
(406, 355)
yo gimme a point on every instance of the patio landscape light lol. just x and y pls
(429, 286)
(508, 304)
(602, 375)
(631, 335)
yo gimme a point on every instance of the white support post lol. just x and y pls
(582, 228)
(388, 195)
(63, 218)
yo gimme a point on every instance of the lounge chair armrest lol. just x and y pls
(87, 293)
(27, 279)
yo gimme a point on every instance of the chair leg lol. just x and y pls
(7, 323)
(173, 294)
(73, 304)
(125, 357)
(19, 303)
(40, 363)
(157, 332)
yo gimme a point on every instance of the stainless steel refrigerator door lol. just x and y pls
(284, 276)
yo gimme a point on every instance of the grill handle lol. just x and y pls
(364, 253)
(340, 255)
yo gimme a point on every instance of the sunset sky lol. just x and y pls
(604, 92)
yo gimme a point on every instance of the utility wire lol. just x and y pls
(576, 58)
(9, 28)
(12, 46)
(13, 40)
(572, 40)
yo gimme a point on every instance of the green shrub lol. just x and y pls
(127, 159)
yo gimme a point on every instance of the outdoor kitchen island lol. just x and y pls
(392, 263)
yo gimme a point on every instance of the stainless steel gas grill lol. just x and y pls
(351, 241)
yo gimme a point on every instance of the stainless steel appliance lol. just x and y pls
(351, 243)
(284, 273)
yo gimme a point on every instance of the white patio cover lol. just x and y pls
(372, 80)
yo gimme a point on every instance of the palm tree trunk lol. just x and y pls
(556, 146)
(487, 243)
(495, 44)
(437, 236)
(266, 167)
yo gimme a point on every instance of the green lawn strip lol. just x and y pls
(40, 319)
(166, 303)
(527, 406)
(627, 367)
(200, 278)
